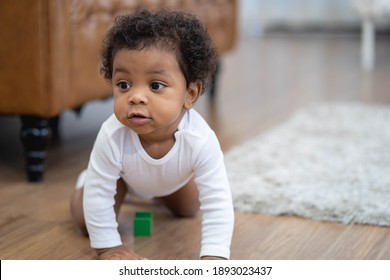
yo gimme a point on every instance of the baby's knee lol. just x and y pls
(186, 212)
(76, 209)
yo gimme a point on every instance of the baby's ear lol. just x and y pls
(194, 90)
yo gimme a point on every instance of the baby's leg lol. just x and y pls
(76, 209)
(184, 202)
(76, 205)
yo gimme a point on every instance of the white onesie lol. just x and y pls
(118, 153)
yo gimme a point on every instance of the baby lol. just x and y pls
(156, 145)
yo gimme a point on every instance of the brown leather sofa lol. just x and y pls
(49, 57)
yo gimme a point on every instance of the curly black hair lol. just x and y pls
(174, 31)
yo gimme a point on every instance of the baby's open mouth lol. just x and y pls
(138, 118)
(136, 115)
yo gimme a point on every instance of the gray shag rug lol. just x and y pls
(329, 162)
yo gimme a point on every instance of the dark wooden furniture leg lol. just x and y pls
(54, 124)
(34, 135)
(214, 81)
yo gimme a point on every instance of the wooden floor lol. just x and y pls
(262, 82)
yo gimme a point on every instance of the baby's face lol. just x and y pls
(150, 92)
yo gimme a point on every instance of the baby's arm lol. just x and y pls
(100, 191)
(216, 202)
(118, 253)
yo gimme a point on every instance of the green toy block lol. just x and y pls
(143, 223)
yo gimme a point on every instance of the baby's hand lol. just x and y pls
(118, 253)
(212, 258)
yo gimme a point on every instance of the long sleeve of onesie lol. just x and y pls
(216, 201)
(99, 192)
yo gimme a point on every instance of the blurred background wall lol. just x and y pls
(258, 16)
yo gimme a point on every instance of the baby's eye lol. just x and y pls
(157, 86)
(123, 85)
